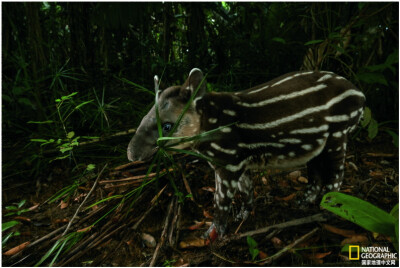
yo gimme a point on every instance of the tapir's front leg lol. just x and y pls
(226, 183)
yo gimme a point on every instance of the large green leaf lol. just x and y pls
(373, 78)
(372, 129)
(367, 117)
(359, 212)
(395, 238)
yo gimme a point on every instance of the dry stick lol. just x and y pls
(83, 202)
(173, 223)
(283, 251)
(187, 186)
(178, 224)
(134, 163)
(314, 218)
(163, 234)
(138, 177)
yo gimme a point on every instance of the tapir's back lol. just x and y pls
(285, 122)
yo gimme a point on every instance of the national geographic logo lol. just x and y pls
(376, 256)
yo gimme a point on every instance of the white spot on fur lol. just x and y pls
(229, 112)
(337, 134)
(310, 130)
(325, 77)
(290, 140)
(307, 147)
(337, 118)
(212, 120)
(292, 154)
(226, 129)
(281, 157)
(223, 150)
(210, 153)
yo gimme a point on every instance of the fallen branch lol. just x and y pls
(163, 234)
(314, 218)
(285, 250)
(320, 217)
(381, 155)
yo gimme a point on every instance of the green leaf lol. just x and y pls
(136, 85)
(251, 242)
(372, 129)
(82, 104)
(367, 117)
(11, 208)
(7, 225)
(359, 212)
(314, 42)
(252, 247)
(21, 203)
(70, 135)
(395, 238)
(395, 137)
(5, 238)
(279, 40)
(392, 58)
(90, 167)
(372, 78)
(25, 101)
(41, 122)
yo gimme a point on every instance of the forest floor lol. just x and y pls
(160, 230)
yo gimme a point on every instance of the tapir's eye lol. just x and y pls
(166, 127)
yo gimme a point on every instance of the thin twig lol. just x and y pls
(163, 234)
(173, 227)
(83, 202)
(314, 218)
(134, 163)
(286, 249)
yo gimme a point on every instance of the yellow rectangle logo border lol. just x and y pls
(358, 253)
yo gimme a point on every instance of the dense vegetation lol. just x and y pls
(72, 71)
(77, 76)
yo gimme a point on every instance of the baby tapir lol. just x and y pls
(296, 119)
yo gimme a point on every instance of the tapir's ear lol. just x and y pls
(195, 80)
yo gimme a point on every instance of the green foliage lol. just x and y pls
(363, 214)
(5, 226)
(168, 263)
(252, 247)
(16, 210)
(12, 210)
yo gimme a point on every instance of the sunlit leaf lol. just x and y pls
(359, 212)
(7, 225)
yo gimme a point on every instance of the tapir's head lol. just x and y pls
(171, 103)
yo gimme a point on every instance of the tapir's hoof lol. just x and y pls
(242, 215)
(214, 232)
